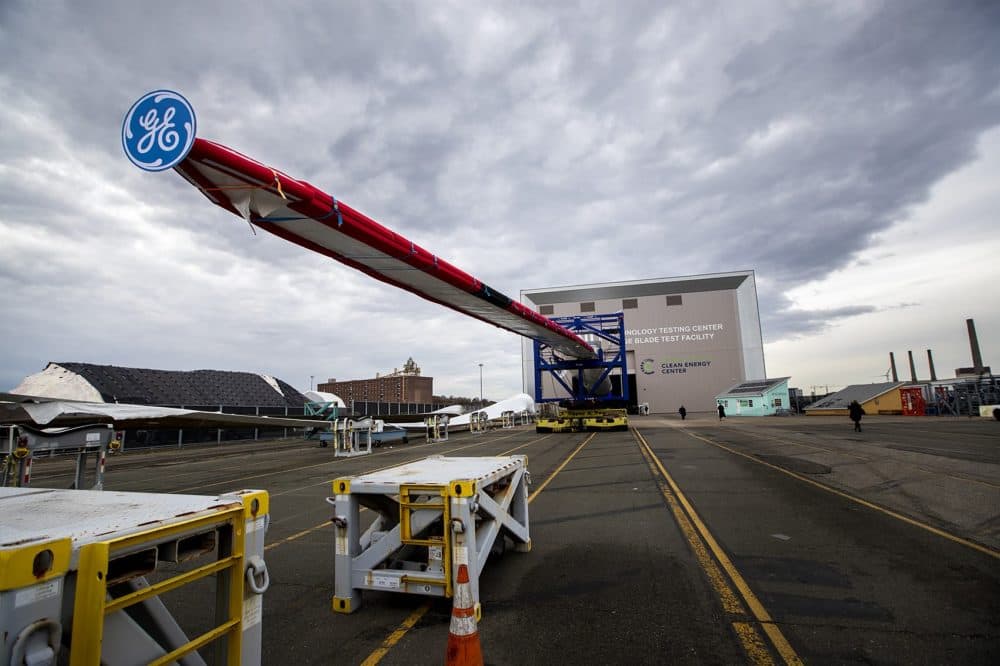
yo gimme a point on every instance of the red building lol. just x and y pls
(399, 386)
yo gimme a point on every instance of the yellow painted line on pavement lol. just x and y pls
(297, 535)
(560, 468)
(396, 636)
(871, 505)
(777, 638)
(517, 448)
(730, 602)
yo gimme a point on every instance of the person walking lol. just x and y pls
(855, 411)
(683, 412)
(722, 412)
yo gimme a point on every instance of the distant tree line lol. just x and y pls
(466, 403)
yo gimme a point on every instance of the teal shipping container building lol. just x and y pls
(757, 397)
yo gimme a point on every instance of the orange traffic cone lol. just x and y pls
(463, 636)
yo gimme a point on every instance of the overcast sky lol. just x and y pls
(848, 152)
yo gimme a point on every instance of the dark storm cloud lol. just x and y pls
(529, 146)
(886, 111)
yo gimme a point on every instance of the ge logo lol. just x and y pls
(158, 131)
(648, 366)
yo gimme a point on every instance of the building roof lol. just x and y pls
(754, 387)
(144, 386)
(611, 290)
(860, 392)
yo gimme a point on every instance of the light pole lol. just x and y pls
(480, 384)
(311, 382)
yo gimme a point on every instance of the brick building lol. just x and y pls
(399, 386)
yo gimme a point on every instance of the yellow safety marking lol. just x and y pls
(753, 645)
(34, 563)
(518, 448)
(730, 603)
(297, 535)
(778, 639)
(159, 588)
(204, 639)
(858, 500)
(88, 604)
(376, 656)
(91, 604)
(225, 514)
(560, 468)
(255, 504)
(414, 617)
(462, 488)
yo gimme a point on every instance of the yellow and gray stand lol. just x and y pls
(430, 516)
(349, 437)
(80, 440)
(436, 427)
(81, 574)
(479, 422)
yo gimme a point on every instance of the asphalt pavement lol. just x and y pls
(762, 540)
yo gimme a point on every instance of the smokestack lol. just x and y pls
(977, 357)
(913, 368)
(892, 364)
(930, 362)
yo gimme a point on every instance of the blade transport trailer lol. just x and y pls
(430, 516)
(588, 393)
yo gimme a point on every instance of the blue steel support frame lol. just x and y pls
(606, 332)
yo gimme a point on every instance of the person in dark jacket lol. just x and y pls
(722, 412)
(683, 412)
(856, 411)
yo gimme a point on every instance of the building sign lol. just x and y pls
(672, 334)
(673, 366)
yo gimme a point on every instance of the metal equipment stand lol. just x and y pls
(350, 438)
(479, 422)
(430, 516)
(74, 567)
(436, 427)
(81, 440)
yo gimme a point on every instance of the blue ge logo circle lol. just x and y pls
(158, 131)
(648, 366)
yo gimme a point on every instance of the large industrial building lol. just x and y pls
(687, 338)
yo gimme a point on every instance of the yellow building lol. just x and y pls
(881, 398)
